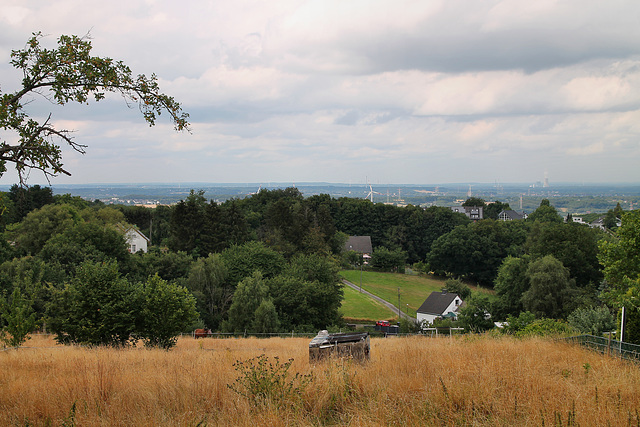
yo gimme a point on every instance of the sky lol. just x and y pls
(350, 91)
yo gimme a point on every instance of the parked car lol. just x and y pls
(382, 323)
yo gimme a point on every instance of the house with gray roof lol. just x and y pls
(439, 304)
(511, 215)
(360, 244)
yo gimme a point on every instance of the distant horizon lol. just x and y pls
(329, 183)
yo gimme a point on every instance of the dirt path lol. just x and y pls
(387, 303)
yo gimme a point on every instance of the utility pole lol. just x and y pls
(361, 260)
(398, 304)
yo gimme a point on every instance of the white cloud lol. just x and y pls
(330, 90)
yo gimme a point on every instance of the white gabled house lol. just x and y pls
(135, 239)
(438, 304)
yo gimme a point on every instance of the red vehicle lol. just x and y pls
(382, 323)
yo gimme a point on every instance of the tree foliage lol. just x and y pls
(621, 261)
(592, 320)
(98, 307)
(549, 290)
(68, 73)
(19, 317)
(167, 310)
(475, 316)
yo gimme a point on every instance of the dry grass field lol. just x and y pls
(468, 380)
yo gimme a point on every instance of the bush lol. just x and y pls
(517, 324)
(457, 286)
(592, 320)
(167, 310)
(408, 326)
(546, 327)
(20, 319)
(262, 382)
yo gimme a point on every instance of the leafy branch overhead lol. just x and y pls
(69, 74)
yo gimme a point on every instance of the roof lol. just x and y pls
(437, 303)
(360, 244)
(135, 230)
(126, 230)
(512, 215)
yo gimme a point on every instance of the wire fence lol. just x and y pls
(222, 335)
(609, 346)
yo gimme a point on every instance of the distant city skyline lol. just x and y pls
(344, 92)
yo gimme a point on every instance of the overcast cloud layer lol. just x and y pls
(344, 91)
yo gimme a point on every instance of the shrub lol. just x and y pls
(546, 327)
(20, 319)
(262, 381)
(517, 324)
(592, 320)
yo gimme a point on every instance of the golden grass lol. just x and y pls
(468, 380)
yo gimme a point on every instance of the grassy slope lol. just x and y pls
(413, 291)
(357, 306)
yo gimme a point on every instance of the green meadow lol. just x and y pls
(413, 291)
(357, 307)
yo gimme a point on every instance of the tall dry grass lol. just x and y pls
(409, 381)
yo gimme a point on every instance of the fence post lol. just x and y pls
(609, 345)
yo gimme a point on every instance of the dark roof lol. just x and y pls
(360, 244)
(512, 214)
(437, 303)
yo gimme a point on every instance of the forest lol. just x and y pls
(269, 262)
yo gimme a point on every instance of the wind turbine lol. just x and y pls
(370, 195)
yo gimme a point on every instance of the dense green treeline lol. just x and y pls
(269, 262)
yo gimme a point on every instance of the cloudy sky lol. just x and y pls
(419, 91)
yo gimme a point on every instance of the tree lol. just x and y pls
(592, 320)
(511, 283)
(242, 260)
(476, 250)
(621, 260)
(168, 310)
(457, 286)
(265, 318)
(474, 201)
(492, 210)
(20, 319)
(208, 282)
(40, 225)
(549, 290)
(575, 245)
(98, 307)
(384, 259)
(545, 213)
(248, 297)
(69, 74)
(28, 199)
(475, 315)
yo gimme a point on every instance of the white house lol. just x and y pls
(439, 304)
(136, 240)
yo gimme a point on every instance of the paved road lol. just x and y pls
(387, 303)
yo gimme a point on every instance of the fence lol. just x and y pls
(607, 346)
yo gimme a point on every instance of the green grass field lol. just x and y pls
(357, 307)
(413, 291)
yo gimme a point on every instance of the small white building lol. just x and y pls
(136, 240)
(438, 304)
